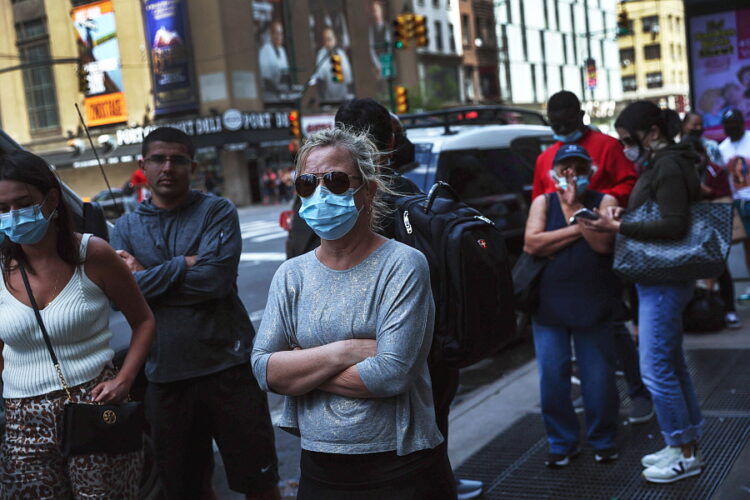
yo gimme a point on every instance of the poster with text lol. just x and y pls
(720, 53)
(329, 33)
(273, 60)
(168, 42)
(96, 34)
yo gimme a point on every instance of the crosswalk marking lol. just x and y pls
(262, 257)
(260, 231)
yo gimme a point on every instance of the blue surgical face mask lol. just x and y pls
(329, 215)
(582, 181)
(25, 226)
(574, 136)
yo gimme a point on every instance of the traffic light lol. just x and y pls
(409, 26)
(294, 126)
(400, 40)
(83, 79)
(402, 100)
(337, 72)
(591, 73)
(421, 34)
(623, 24)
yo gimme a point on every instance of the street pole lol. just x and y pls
(588, 40)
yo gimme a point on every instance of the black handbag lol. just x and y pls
(700, 254)
(527, 272)
(89, 428)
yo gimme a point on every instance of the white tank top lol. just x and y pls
(77, 321)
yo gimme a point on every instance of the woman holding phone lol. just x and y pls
(579, 296)
(669, 177)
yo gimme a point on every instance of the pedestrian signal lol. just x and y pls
(294, 126)
(402, 100)
(337, 71)
(421, 33)
(400, 40)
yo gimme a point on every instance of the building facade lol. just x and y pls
(480, 56)
(227, 72)
(548, 45)
(653, 56)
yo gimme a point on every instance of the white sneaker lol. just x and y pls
(668, 452)
(732, 321)
(468, 489)
(669, 472)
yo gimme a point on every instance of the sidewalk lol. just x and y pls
(497, 434)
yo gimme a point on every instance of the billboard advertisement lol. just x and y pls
(168, 42)
(96, 32)
(276, 82)
(720, 61)
(329, 33)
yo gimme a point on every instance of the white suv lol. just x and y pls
(489, 163)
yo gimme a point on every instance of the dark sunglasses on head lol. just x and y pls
(177, 161)
(336, 182)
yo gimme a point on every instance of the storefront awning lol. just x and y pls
(70, 159)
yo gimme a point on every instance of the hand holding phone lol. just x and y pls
(585, 213)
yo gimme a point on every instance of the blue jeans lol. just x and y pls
(663, 366)
(595, 354)
(627, 356)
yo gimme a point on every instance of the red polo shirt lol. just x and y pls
(615, 174)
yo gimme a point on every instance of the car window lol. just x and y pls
(479, 173)
(424, 173)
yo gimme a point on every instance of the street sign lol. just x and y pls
(386, 65)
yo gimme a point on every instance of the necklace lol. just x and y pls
(54, 291)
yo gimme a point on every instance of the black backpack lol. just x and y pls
(470, 274)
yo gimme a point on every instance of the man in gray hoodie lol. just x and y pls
(183, 247)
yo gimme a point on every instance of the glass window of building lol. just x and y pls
(627, 56)
(439, 36)
(652, 51)
(451, 38)
(628, 83)
(38, 81)
(654, 80)
(465, 35)
(650, 24)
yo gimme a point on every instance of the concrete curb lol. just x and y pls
(480, 418)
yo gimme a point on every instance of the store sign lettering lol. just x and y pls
(231, 120)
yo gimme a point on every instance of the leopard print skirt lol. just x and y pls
(34, 468)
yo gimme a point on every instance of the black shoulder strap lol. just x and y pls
(38, 314)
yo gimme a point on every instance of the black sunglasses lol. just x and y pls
(336, 182)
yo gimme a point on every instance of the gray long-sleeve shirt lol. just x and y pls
(202, 326)
(386, 297)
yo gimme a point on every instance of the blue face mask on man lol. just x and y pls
(25, 226)
(574, 136)
(330, 216)
(582, 181)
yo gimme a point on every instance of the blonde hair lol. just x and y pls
(366, 159)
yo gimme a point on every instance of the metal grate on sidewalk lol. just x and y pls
(512, 465)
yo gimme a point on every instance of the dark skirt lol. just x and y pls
(423, 475)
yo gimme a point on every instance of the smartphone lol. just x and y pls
(585, 213)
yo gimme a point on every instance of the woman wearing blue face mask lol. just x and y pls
(579, 297)
(345, 336)
(669, 178)
(73, 279)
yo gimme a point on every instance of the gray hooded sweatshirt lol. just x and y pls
(202, 326)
